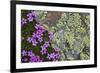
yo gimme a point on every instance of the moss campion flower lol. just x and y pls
(51, 35)
(24, 53)
(31, 16)
(43, 51)
(23, 21)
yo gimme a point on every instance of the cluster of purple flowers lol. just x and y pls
(35, 59)
(40, 37)
(23, 21)
(31, 55)
(30, 17)
(51, 35)
(44, 48)
(54, 56)
(37, 36)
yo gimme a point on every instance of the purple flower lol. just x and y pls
(39, 27)
(24, 60)
(43, 47)
(43, 51)
(30, 53)
(29, 39)
(38, 59)
(35, 59)
(24, 53)
(30, 19)
(34, 42)
(32, 15)
(53, 56)
(57, 56)
(40, 39)
(46, 44)
(49, 56)
(29, 14)
(38, 36)
(23, 21)
(34, 35)
(39, 32)
(51, 35)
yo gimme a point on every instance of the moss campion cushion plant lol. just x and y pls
(37, 40)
